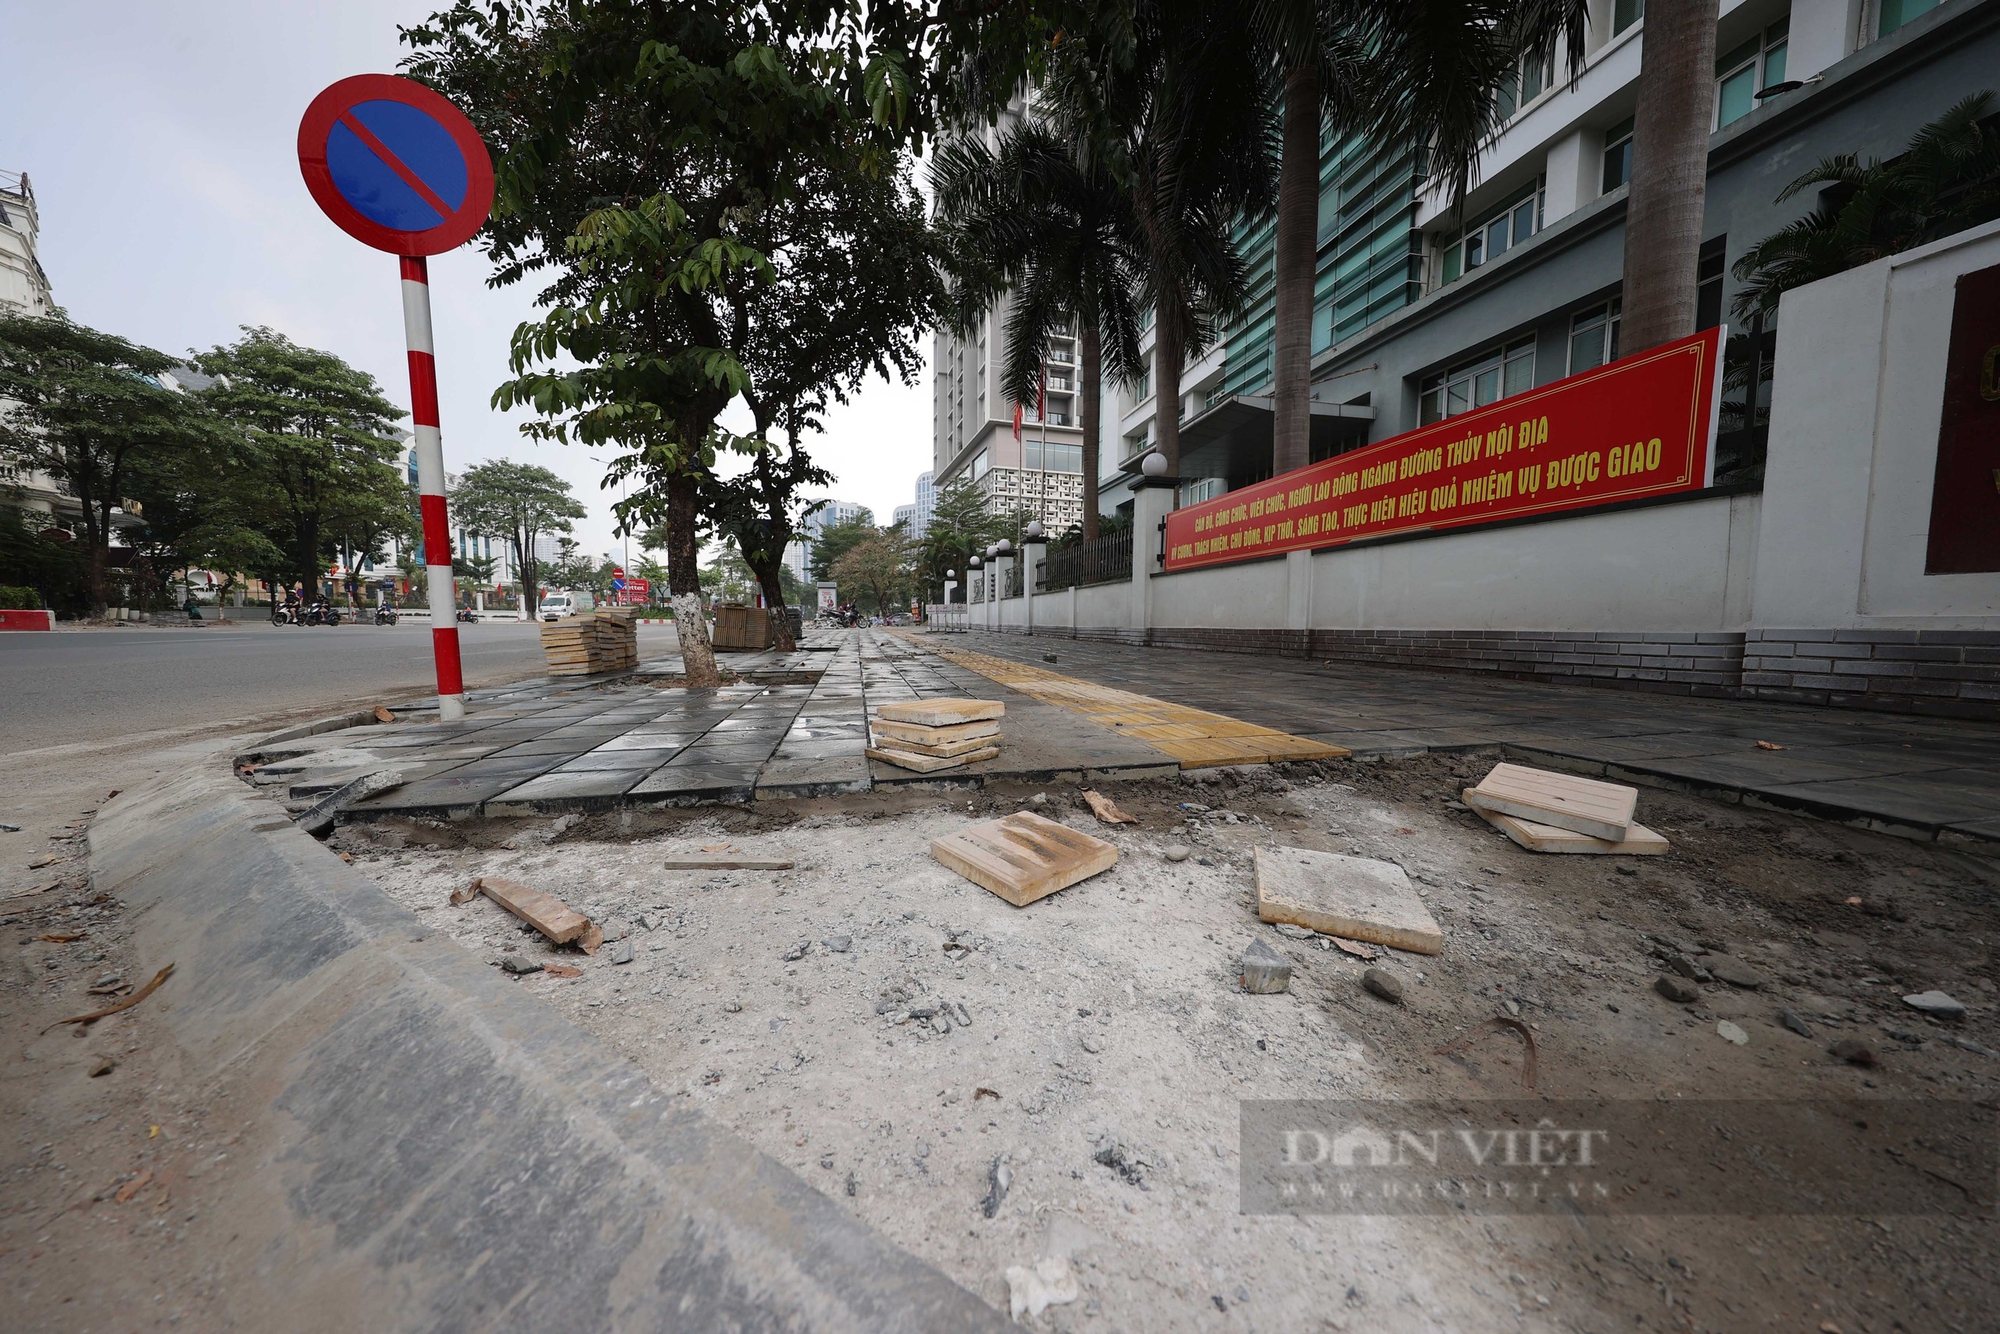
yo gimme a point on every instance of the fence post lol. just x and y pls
(1152, 500)
(1034, 550)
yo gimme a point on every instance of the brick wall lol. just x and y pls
(1950, 672)
(1678, 662)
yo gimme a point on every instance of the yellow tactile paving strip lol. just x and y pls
(1196, 738)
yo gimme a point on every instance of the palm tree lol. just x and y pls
(1663, 211)
(1948, 179)
(1040, 217)
(1177, 108)
(1413, 69)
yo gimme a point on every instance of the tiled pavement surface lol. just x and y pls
(796, 726)
(1919, 777)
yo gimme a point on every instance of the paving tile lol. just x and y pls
(688, 783)
(643, 739)
(788, 776)
(609, 760)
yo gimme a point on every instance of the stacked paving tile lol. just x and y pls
(603, 641)
(933, 735)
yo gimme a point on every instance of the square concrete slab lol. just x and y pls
(930, 764)
(1602, 810)
(1023, 857)
(937, 736)
(1354, 897)
(942, 712)
(941, 749)
(1639, 841)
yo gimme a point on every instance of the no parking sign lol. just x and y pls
(399, 168)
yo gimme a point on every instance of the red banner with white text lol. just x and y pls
(1641, 426)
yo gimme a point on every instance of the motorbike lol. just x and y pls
(322, 613)
(385, 615)
(466, 617)
(284, 613)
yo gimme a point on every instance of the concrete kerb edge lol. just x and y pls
(428, 1149)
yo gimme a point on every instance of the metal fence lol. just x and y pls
(1103, 560)
(946, 618)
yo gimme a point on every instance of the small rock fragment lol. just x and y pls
(1264, 971)
(1292, 932)
(1677, 989)
(1936, 1004)
(1031, 1291)
(839, 944)
(733, 1007)
(1687, 967)
(798, 951)
(999, 1176)
(1177, 852)
(1732, 1033)
(621, 952)
(104, 1066)
(1379, 983)
(1733, 971)
(516, 963)
(1796, 1024)
(1854, 1051)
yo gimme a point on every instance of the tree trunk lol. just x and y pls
(1663, 213)
(1296, 265)
(774, 602)
(1092, 369)
(525, 549)
(684, 580)
(1167, 352)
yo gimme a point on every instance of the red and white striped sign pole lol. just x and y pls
(430, 486)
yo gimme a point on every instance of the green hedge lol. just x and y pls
(13, 597)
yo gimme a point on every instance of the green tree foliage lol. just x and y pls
(87, 410)
(316, 444)
(759, 512)
(519, 501)
(962, 523)
(878, 565)
(1948, 179)
(837, 539)
(1047, 219)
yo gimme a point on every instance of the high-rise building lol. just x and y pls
(798, 552)
(24, 284)
(1423, 309)
(916, 518)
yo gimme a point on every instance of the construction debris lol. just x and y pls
(932, 735)
(603, 641)
(1263, 971)
(1105, 809)
(125, 1004)
(1023, 857)
(383, 715)
(1639, 841)
(1602, 810)
(550, 916)
(1352, 897)
(699, 863)
(1379, 983)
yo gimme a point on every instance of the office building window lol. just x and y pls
(1491, 376)
(1708, 284)
(1528, 80)
(1593, 337)
(1142, 389)
(1200, 489)
(1625, 13)
(1748, 69)
(1323, 326)
(979, 465)
(1514, 223)
(1052, 457)
(1617, 155)
(1895, 13)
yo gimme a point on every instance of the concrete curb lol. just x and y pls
(434, 1150)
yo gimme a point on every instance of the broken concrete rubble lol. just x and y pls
(1264, 971)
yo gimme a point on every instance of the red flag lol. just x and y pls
(1042, 395)
(1017, 423)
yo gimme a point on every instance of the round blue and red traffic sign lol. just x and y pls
(395, 165)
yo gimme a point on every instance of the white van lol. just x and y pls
(563, 603)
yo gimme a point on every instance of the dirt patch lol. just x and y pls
(992, 1086)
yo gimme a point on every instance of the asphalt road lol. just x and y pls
(74, 686)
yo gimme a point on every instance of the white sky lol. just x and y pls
(162, 144)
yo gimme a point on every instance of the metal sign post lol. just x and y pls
(399, 168)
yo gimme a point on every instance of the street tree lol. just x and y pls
(1669, 188)
(645, 153)
(1180, 107)
(759, 511)
(1422, 70)
(520, 501)
(962, 522)
(316, 442)
(837, 539)
(1047, 220)
(86, 409)
(880, 564)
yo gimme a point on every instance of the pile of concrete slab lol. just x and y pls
(933, 735)
(603, 641)
(1551, 812)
